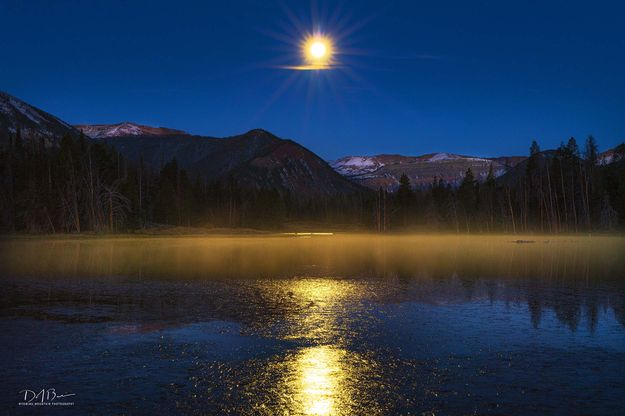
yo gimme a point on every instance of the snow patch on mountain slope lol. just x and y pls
(12, 106)
(26, 110)
(605, 160)
(101, 131)
(361, 162)
(356, 165)
(125, 129)
(437, 157)
(608, 157)
(114, 130)
(442, 156)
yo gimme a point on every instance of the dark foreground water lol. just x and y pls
(338, 325)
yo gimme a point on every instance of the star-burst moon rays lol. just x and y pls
(318, 49)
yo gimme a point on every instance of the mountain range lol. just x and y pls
(32, 122)
(126, 128)
(385, 170)
(257, 159)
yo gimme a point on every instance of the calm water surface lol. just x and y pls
(333, 325)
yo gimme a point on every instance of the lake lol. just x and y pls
(313, 325)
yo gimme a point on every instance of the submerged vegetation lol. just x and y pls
(82, 185)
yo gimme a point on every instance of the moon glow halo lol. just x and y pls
(317, 53)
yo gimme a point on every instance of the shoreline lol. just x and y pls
(321, 232)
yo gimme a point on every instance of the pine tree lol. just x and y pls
(404, 199)
(532, 207)
(591, 197)
(591, 151)
(467, 194)
(572, 148)
(404, 192)
(491, 191)
(534, 148)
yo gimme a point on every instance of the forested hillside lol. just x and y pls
(85, 185)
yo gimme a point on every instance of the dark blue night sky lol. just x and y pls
(471, 77)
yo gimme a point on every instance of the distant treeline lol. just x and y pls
(82, 185)
(554, 191)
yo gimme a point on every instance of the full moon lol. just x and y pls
(318, 51)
